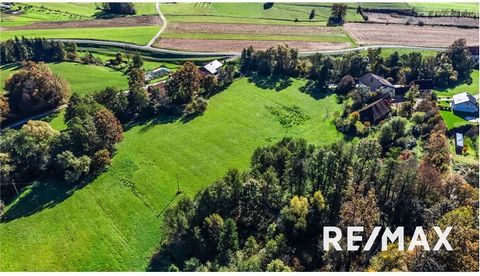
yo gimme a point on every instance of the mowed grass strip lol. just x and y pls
(112, 223)
(136, 35)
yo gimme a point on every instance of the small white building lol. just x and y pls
(377, 84)
(212, 67)
(464, 102)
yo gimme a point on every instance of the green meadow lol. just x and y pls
(57, 11)
(254, 13)
(463, 87)
(115, 222)
(136, 35)
(83, 78)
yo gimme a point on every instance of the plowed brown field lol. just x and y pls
(220, 28)
(427, 36)
(227, 45)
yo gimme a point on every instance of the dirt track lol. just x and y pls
(370, 34)
(210, 45)
(221, 28)
(130, 21)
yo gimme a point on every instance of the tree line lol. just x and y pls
(35, 49)
(445, 69)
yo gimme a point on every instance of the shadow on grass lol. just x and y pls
(277, 82)
(311, 89)
(7, 66)
(43, 194)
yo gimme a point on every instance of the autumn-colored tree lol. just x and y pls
(428, 182)
(35, 87)
(296, 212)
(184, 83)
(391, 260)
(109, 129)
(4, 108)
(438, 152)
(100, 160)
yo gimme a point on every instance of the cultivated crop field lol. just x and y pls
(235, 37)
(112, 223)
(374, 34)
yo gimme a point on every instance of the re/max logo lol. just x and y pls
(332, 236)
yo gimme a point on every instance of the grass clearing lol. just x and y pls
(83, 78)
(136, 35)
(464, 87)
(112, 224)
(453, 120)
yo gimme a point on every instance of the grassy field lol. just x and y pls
(452, 120)
(83, 79)
(254, 13)
(112, 223)
(470, 88)
(136, 35)
(58, 11)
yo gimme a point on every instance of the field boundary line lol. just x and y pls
(164, 25)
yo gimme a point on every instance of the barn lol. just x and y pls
(375, 111)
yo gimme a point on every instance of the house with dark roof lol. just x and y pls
(375, 111)
(377, 84)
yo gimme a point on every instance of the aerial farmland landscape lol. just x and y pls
(216, 137)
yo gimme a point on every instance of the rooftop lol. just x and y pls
(462, 98)
(213, 66)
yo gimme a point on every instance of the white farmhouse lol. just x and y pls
(377, 83)
(464, 102)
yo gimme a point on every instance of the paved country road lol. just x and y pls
(216, 54)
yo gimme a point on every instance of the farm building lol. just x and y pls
(458, 143)
(464, 102)
(375, 111)
(212, 67)
(377, 83)
(159, 72)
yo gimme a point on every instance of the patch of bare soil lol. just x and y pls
(427, 36)
(394, 18)
(130, 21)
(222, 28)
(211, 45)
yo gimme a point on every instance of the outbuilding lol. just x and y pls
(212, 68)
(459, 143)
